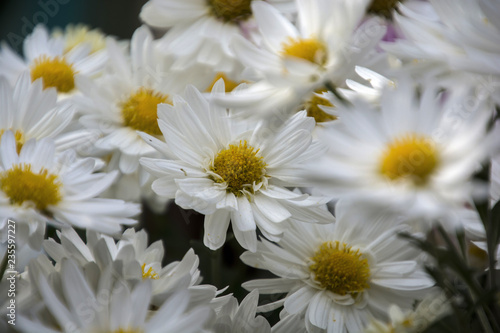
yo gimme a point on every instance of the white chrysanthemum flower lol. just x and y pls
(125, 102)
(38, 186)
(343, 274)
(201, 30)
(104, 302)
(140, 261)
(45, 58)
(32, 112)
(230, 170)
(297, 61)
(429, 310)
(416, 152)
(458, 39)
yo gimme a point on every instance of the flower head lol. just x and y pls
(221, 167)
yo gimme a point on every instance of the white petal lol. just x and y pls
(216, 225)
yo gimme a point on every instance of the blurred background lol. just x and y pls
(113, 17)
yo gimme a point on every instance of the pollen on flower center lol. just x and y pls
(238, 166)
(310, 49)
(413, 157)
(340, 269)
(313, 104)
(21, 185)
(55, 72)
(149, 273)
(231, 10)
(139, 111)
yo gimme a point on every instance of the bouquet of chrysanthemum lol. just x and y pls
(326, 165)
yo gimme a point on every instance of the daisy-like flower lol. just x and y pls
(295, 61)
(124, 102)
(416, 152)
(31, 112)
(45, 58)
(201, 30)
(104, 302)
(38, 186)
(139, 261)
(343, 274)
(230, 170)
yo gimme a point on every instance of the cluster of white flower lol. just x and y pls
(314, 131)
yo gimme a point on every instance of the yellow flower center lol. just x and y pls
(21, 184)
(238, 166)
(55, 72)
(231, 10)
(139, 111)
(309, 49)
(383, 7)
(76, 35)
(229, 84)
(19, 136)
(313, 107)
(149, 274)
(412, 157)
(340, 269)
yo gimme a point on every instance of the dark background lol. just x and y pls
(113, 17)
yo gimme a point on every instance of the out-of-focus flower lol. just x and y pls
(416, 152)
(340, 275)
(38, 186)
(200, 30)
(45, 58)
(230, 170)
(430, 309)
(125, 101)
(32, 112)
(139, 261)
(457, 42)
(295, 61)
(103, 302)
